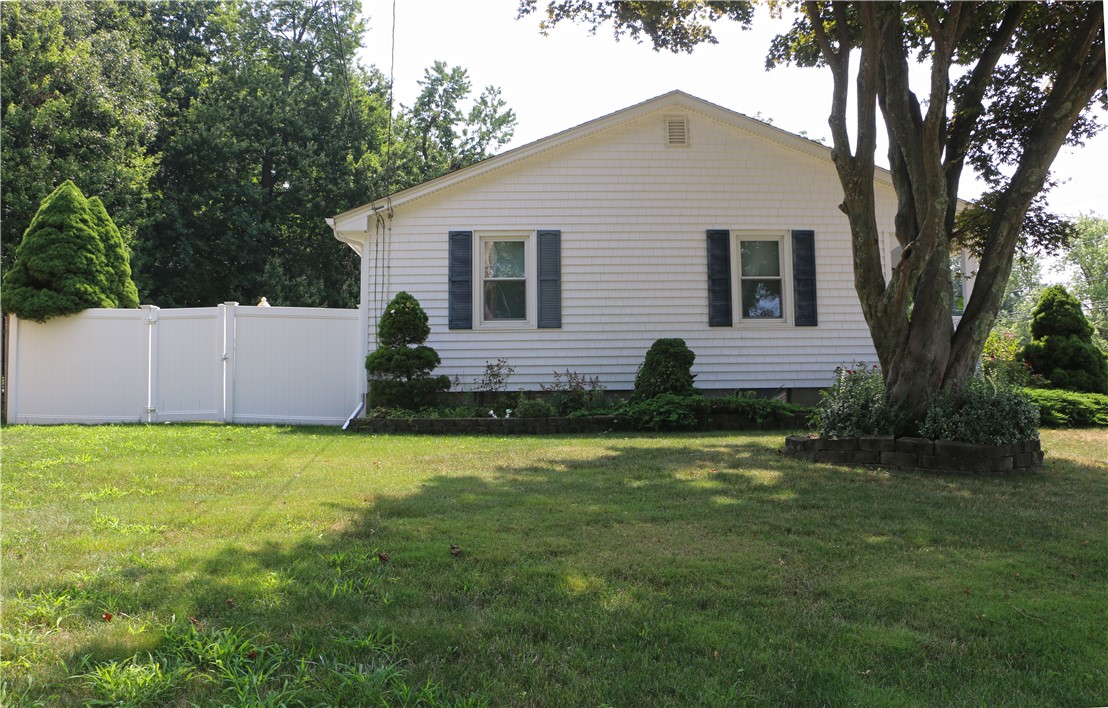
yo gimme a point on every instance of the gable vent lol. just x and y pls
(677, 131)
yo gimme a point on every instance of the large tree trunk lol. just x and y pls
(910, 316)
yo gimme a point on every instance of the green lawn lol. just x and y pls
(240, 565)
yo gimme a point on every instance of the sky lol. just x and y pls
(570, 77)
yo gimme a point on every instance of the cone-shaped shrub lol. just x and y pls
(1061, 348)
(115, 253)
(402, 364)
(59, 267)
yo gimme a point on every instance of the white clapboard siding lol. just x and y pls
(633, 215)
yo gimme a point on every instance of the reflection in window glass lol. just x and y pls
(505, 279)
(760, 258)
(760, 276)
(761, 299)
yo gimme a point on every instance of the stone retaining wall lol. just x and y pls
(918, 453)
(543, 426)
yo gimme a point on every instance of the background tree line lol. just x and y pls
(219, 136)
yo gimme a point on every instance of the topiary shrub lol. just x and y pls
(59, 267)
(402, 364)
(1062, 349)
(667, 368)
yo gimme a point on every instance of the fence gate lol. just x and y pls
(226, 363)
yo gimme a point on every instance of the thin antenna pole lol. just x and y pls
(392, 68)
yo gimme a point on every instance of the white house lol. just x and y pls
(671, 218)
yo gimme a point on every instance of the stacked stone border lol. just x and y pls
(918, 453)
(544, 426)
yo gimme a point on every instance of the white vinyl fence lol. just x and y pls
(227, 363)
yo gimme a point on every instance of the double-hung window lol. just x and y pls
(505, 271)
(761, 277)
(505, 279)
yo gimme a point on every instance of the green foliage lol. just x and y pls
(856, 405)
(59, 268)
(667, 368)
(1088, 256)
(1001, 359)
(438, 135)
(534, 408)
(1058, 313)
(115, 254)
(403, 323)
(402, 364)
(666, 411)
(1068, 409)
(761, 412)
(984, 413)
(1062, 350)
(573, 393)
(79, 101)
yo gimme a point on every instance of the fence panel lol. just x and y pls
(188, 364)
(89, 368)
(237, 364)
(295, 365)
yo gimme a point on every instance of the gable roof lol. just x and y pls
(357, 220)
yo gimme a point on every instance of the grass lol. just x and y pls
(203, 564)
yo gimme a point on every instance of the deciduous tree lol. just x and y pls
(1009, 85)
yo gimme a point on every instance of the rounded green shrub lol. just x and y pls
(534, 409)
(667, 368)
(1058, 313)
(1061, 348)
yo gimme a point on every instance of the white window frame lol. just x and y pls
(531, 278)
(785, 253)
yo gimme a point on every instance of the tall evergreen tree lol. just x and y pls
(59, 267)
(123, 289)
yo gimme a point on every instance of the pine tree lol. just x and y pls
(60, 268)
(115, 253)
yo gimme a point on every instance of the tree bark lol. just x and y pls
(910, 316)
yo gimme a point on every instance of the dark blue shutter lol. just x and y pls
(550, 279)
(719, 278)
(460, 275)
(804, 278)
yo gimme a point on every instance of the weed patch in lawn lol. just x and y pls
(285, 566)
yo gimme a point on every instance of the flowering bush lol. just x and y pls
(856, 405)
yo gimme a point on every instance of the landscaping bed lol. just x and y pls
(918, 453)
(559, 425)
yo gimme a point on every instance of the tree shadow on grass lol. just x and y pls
(708, 570)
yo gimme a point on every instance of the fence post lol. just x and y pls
(11, 378)
(227, 317)
(150, 318)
